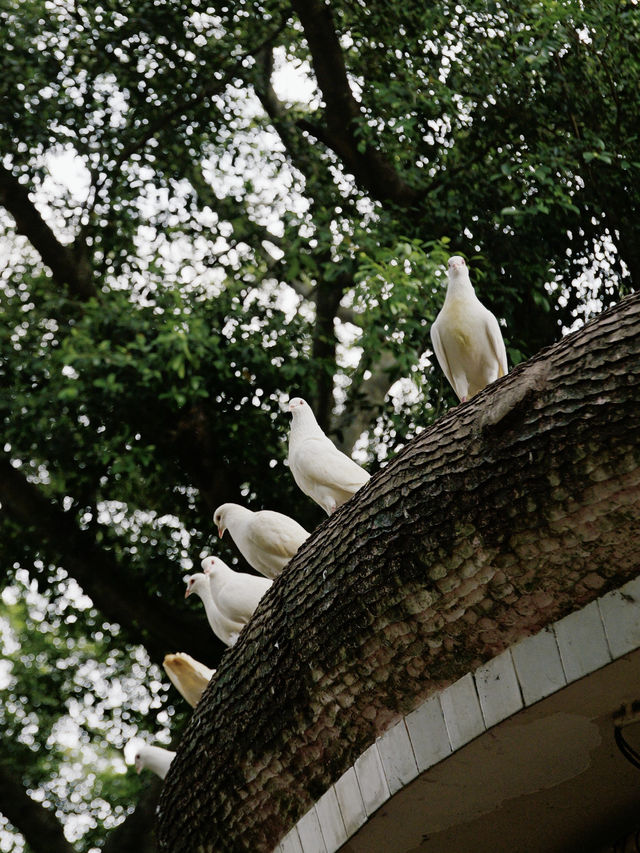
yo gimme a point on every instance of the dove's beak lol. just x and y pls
(187, 592)
(221, 532)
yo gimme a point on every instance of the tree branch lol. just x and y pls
(369, 166)
(66, 266)
(192, 444)
(41, 829)
(214, 86)
(165, 119)
(233, 210)
(302, 154)
(327, 297)
(146, 619)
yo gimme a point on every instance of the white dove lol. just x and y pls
(188, 676)
(466, 336)
(154, 758)
(224, 628)
(266, 539)
(236, 594)
(324, 473)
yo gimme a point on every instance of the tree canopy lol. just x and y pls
(205, 208)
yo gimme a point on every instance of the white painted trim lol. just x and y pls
(536, 667)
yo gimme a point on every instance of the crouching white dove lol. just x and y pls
(225, 629)
(324, 473)
(466, 336)
(188, 676)
(236, 594)
(153, 758)
(266, 539)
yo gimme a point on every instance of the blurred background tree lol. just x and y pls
(207, 207)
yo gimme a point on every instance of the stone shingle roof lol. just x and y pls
(525, 674)
(508, 513)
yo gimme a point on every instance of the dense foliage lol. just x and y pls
(206, 207)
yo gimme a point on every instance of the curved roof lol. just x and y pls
(515, 756)
(508, 513)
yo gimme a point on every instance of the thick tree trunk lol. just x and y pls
(511, 511)
(371, 168)
(65, 264)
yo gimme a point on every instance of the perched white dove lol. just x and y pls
(266, 539)
(224, 628)
(324, 473)
(154, 758)
(188, 676)
(236, 594)
(466, 336)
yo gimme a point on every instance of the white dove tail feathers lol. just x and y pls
(188, 676)
(321, 471)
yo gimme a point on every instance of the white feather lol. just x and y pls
(223, 627)
(466, 336)
(154, 758)
(266, 539)
(324, 473)
(236, 594)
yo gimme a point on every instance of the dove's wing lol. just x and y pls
(233, 604)
(322, 462)
(274, 545)
(275, 534)
(222, 623)
(496, 342)
(240, 595)
(441, 355)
